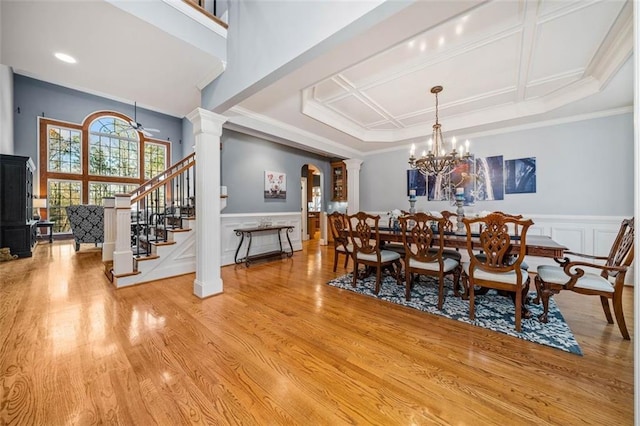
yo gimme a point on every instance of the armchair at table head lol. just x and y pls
(87, 223)
(340, 233)
(424, 252)
(364, 235)
(494, 270)
(609, 284)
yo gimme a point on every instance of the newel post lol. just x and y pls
(123, 256)
(207, 129)
(109, 244)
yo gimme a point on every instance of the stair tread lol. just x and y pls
(150, 257)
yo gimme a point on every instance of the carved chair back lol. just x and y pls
(622, 249)
(422, 242)
(339, 228)
(448, 223)
(364, 233)
(495, 242)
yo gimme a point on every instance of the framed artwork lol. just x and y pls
(463, 176)
(443, 187)
(275, 185)
(520, 176)
(417, 181)
(489, 178)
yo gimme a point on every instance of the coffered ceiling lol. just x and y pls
(501, 63)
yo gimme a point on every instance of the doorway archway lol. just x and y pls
(311, 178)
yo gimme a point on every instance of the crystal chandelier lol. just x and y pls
(436, 161)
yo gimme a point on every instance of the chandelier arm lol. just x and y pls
(436, 161)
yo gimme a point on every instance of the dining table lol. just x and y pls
(536, 245)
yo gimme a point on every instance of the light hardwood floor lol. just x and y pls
(279, 346)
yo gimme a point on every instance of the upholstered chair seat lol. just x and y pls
(578, 276)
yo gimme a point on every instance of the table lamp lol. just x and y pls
(38, 203)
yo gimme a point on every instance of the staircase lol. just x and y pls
(169, 253)
(150, 233)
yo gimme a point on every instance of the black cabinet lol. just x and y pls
(17, 228)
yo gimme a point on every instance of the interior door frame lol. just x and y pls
(303, 209)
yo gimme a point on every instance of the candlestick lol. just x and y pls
(460, 212)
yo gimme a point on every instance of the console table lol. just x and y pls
(46, 224)
(248, 232)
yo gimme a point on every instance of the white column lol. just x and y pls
(207, 128)
(109, 244)
(353, 185)
(122, 255)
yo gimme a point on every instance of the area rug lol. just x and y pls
(493, 311)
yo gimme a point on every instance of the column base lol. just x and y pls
(122, 262)
(211, 288)
(107, 251)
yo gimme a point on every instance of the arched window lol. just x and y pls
(114, 148)
(103, 156)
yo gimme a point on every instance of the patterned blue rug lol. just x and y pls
(493, 311)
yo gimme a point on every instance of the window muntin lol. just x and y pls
(62, 193)
(113, 148)
(69, 189)
(98, 190)
(155, 159)
(64, 148)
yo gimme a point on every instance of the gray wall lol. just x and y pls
(583, 168)
(6, 110)
(35, 97)
(266, 36)
(244, 160)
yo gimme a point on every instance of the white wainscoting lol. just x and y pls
(262, 242)
(591, 235)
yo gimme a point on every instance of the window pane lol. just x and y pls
(64, 150)
(155, 159)
(113, 148)
(99, 190)
(59, 195)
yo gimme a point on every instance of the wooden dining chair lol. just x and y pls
(491, 270)
(424, 246)
(609, 284)
(339, 232)
(364, 236)
(448, 227)
(515, 230)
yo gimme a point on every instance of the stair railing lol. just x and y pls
(145, 215)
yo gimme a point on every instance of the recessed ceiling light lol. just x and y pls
(66, 58)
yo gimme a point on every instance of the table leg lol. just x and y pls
(289, 230)
(241, 235)
(280, 242)
(248, 248)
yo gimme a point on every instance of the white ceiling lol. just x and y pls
(119, 55)
(502, 64)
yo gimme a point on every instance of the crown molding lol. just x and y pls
(247, 121)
